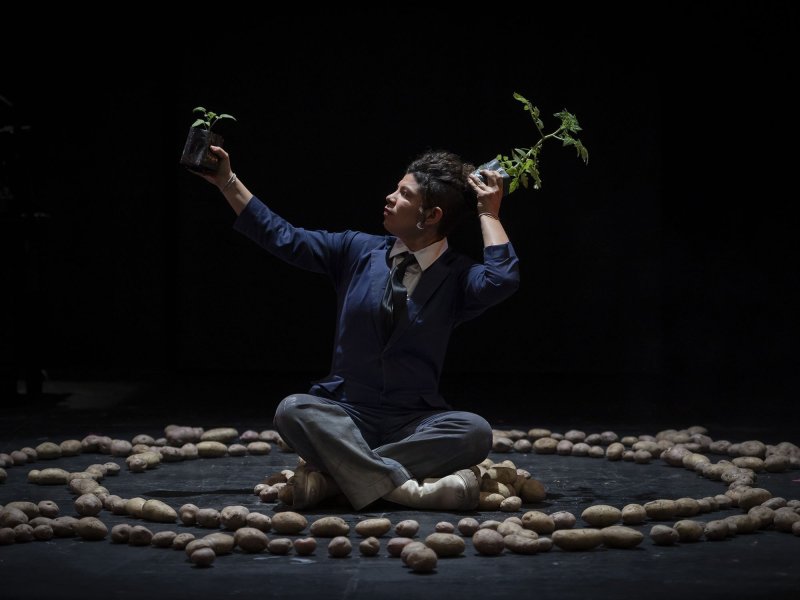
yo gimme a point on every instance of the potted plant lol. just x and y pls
(196, 153)
(523, 164)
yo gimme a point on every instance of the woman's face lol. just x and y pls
(403, 208)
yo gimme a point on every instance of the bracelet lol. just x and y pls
(231, 180)
(488, 214)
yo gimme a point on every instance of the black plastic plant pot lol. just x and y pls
(196, 153)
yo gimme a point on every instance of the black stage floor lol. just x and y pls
(765, 564)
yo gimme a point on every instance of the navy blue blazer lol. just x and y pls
(365, 368)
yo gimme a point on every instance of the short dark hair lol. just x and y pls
(442, 178)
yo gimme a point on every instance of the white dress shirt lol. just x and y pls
(425, 258)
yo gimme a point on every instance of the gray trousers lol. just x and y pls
(369, 451)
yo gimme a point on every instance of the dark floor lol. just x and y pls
(761, 565)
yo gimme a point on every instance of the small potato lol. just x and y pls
(91, 528)
(163, 539)
(330, 527)
(601, 515)
(133, 507)
(220, 434)
(88, 505)
(23, 533)
(289, 523)
(222, 543)
(373, 527)
(445, 544)
(661, 510)
(233, 517)
(159, 512)
(689, 531)
(488, 542)
(633, 514)
(577, 539)
(140, 536)
(369, 546)
(64, 526)
(259, 448)
(618, 536)
(203, 557)
(539, 522)
(663, 535)
(407, 528)
(422, 560)
(207, 517)
(48, 508)
(520, 544)
(120, 533)
(339, 547)
(181, 540)
(533, 490)
(511, 504)
(562, 520)
(307, 546)
(43, 532)
(395, 545)
(7, 536)
(259, 521)
(251, 539)
(467, 526)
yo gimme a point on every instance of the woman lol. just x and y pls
(376, 426)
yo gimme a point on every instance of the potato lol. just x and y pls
(407, 528)
(395, 545)
(373, 527)
(330, 527)
(561, 520)
(64, 526)
(686, 507)
(181, 540)
(488, 542)
(23, 533)
(545, 445)
(615, 451)
(538, 521)
(203, 557)
(763, 515)
(88, 505)
(508, 527)
(280, 546)
(91, 528)
(52, 476)
(220, 434)
(445, 544)
(663, 535)
(339, 547)
(133, 507)
(661, 510)
(490, 524)
(222, 543)
(422, 560)
(601, 515)
(43, 532)
(753, 497)
(195, 545)
(29, 508)
(521, 544)
(188, 514)
(159, 512)
(633, 514)
(289, 523)
(207, 517)
(368, 547)
(307, 546)
(619, 536)
(577, 539)
(140, 536)
(689, 531)
(259, 448)
(251, 539)
(189, 452)
(233, 517)
(163, 539)
(48, 451)
(259, 521)
(409, 548)
(716, 530)
(467, 526)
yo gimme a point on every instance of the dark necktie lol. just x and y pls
(394, 296)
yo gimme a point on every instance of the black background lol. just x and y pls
(661, 276)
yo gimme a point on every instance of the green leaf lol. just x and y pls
(199, 109)
(200, 122)
(513, 187)
(227, 116)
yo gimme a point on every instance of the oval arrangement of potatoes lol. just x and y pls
(516, 524)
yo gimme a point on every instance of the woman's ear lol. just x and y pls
(433, 216)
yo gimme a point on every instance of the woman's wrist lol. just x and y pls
(489, 214)
(231, 181)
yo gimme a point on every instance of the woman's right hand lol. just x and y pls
(223, 174)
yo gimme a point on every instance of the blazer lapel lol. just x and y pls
(378, 276)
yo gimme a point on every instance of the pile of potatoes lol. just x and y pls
(504, 488)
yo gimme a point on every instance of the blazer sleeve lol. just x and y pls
(491, 282)
(317, 251)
